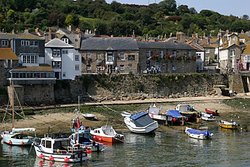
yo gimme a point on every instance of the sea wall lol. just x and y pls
(129, 87)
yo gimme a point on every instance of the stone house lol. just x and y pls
(171, 56)
(64, 59)
(107, 55)
(8, 61)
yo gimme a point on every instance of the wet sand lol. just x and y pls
(61, 121)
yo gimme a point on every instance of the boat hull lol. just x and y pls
(143, 130)
(106, 139)
(228, 126)
(61, 157)
(199, 136)
(7, 138)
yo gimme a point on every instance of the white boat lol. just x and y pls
(18, 137)
(207, 117)
(60, 150)
(89, 116)
(155, 113)
(83, 139)
(140, 123)
(106, 134)
(198, 134)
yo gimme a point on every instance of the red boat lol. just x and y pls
(209, 111)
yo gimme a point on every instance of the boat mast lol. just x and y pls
(12, 101)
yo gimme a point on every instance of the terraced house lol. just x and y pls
(109, 55)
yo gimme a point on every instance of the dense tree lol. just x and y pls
(118, 19)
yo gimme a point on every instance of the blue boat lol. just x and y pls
(174, 117)
(198, 134)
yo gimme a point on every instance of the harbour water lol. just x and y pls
(174, 148)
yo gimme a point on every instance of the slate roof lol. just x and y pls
(57, 43)
(25, 35)
(171, 43)
(112, 43)
(7, 54)
(246, 51)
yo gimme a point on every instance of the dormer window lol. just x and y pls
(56, 53)
(66, 40)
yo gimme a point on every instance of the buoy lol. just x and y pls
(66, 159)
(51, 158)
(10, 142)
(88, 151)
(41, 156)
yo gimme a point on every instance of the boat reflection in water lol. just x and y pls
(14, 155)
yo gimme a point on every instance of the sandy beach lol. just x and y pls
(61, 121)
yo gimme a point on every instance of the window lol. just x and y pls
(33, 43)
(207, 50)
(77, 58)
(29, 59)
(66, 40)
(122, 56)
(4, 43)
(122, 67)
(64, 74)
(148, 54)
(232, 53)
(131, 57)
(56, 64)
(56, 53)
(110, 57)
(48, 144)
(161, 54)
(25, 43)
(77, 67)
(64, 52)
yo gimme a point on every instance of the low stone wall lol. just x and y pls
(129, 87)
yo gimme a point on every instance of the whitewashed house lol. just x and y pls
(64, 59)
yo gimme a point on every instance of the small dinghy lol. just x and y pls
(228, 125)
(90, 116)
(207, 117)
(198, 134)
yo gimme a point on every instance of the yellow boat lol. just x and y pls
(228, 125)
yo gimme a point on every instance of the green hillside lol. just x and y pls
(115, 19)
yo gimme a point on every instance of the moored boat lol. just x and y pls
(140, 122)
(106, 134)
(155, 113)
(207, 117)
(228, 125)
(59, 149)
(198, 134)
(18, 137)
(83, 139)
(175, 118)
(209, 111)
(90, 116)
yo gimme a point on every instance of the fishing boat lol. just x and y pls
(16, 136)
(59, 149)
(198, 134)
(106, 134)
(209, 111)
(228, 125)
(140, 122)
(90, 116)
(207, 117)
(83, 139)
